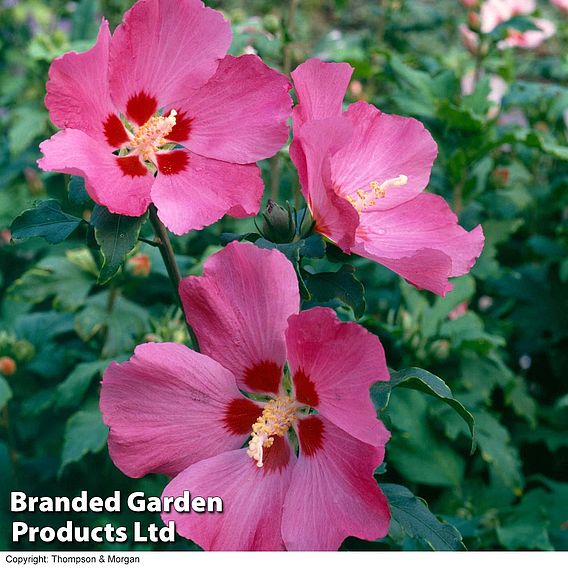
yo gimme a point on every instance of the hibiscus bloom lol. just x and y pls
(496, 12)
(181, 413)
(561, 5)
(159, 113)
(497, 89)
(363, 173)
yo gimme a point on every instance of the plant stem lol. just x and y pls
(289, 44)
(458, 196)
(12, 452)
(164, 244)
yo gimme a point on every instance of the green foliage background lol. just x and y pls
(503, 352)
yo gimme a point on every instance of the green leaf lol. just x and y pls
(497, 451)
(5, 392)
(84, 24)
(417, 449)
(84, 433)
(437, 313)
(122, 321)
(325, 286)
(55, 277)
(46, 220)
(417, 521)
(73, 388)
(423, 381)
(76, 189)
(526, 525)
(117, 236)
(28, 123)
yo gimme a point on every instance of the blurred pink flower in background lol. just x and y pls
(561, 4)
(181, 413)
(498, 87)
(496, 12)
(363, 174)
(469, 38)
(458, 311)
(163, 80)
(530, 39)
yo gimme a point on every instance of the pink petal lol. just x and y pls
(239, 309)
(121, 184)
(165, 49)
(252, 499)
(320, 88)
(426, 269)
(192, 192)
(310, 151)
(421, 240)
(333, 493)
(169, 407)
(383, 147)
(336, 386)
(77, 92)
(530, 39)
(240, 115)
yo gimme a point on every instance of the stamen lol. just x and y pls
(277, 417)
(151, 136)
(365, 198)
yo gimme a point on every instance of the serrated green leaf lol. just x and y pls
(497, 451)
(53, 277)
(84, 433)
(417, 450)
(526, 525)
(117, 236)
(417, 521)
(325, 286)
(423, 381)
(124, 322)
(73, 388)
(46, 220)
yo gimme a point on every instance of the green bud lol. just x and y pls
(278, 224)
(271, 23)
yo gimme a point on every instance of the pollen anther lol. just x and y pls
(364, 198)
(277, 417)
(151, 136)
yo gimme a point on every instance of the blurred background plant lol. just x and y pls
(499, 114)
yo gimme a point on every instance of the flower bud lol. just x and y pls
(7, 366)
(140, 265)
(23, 350)
(278, 224)
(474, 21)
(440, 349)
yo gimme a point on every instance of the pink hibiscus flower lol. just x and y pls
(496, 12)
(159, 113)
(561, 5)
(181, 413)
(497, 85)
(363, 173)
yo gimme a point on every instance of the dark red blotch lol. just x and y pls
(311, 435)
(264, 377)
(141, 107)
(305, 389)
